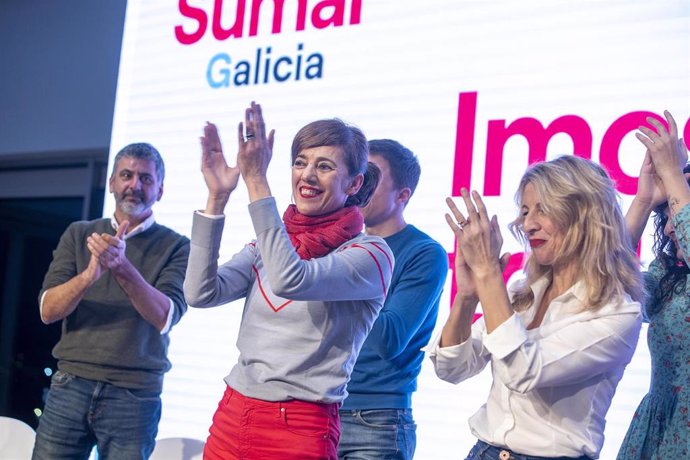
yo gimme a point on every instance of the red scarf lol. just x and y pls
(316, 236)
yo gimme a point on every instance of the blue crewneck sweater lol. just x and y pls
(385, 374)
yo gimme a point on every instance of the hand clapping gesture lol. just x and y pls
(254, 155)
(255, 149)
(662, 170)
(650, 188)
(478, 237)
(667, 152)
(661, 178)
(478, 245)
(107, 249)
(220, 179)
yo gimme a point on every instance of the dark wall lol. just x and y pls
(58, 73)
(58, 76)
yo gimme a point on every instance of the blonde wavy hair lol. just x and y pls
(581, 200)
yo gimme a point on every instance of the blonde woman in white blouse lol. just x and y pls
(559, 341)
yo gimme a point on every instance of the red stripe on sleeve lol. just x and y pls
(390, 262)
(378, 265)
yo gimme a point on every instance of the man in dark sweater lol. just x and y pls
(376, 417)
(116, 284)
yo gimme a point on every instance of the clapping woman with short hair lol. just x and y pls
(313, 285)
(559, 341)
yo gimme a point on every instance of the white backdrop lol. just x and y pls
(469, 86)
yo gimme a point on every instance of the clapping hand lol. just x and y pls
(220, 178)
(255, 148)
(478, 243)
(667, 153)
(109, 249)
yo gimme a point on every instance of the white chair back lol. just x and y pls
(16, 439)
(178, 449)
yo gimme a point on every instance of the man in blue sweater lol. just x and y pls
(376, 417)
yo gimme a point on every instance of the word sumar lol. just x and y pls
(319, 15)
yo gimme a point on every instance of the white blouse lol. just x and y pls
(552, 385)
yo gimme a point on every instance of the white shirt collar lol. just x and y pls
(141, 228)
(577, 291)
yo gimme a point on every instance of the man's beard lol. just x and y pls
(130, 208)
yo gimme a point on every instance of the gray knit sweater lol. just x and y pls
(304, 321)
(105, 338)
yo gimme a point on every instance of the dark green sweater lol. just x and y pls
(105, 338)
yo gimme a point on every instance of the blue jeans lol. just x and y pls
(377, 434)
(81, 413)
(484, 451)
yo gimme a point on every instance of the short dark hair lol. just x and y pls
(402, 163)
(142, 151)
(334, 132)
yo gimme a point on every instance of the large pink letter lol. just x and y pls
(336, 19)
(301, 14)
(277, 17)
(537, 138)
(193, 13)
(464, 142)
(236, 29)
(356, 12)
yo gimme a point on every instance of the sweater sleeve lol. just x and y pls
(171, 278)
(410, 301)
(206, 284)
(457, 363)
(64, 265)
(358, 270)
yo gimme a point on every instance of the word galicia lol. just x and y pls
(223, 72)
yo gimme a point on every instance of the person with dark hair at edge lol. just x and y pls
(660, 428)
(376, 417)
(116, 285)
(313, 285)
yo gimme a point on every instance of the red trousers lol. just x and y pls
(251, 429)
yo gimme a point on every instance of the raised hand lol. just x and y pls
(464, 282)
(479, 236)
(255, 152)
(668, 155)
(255, 149)
(667, 152)
(470, 260)
(650, 188)
(220, 179)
